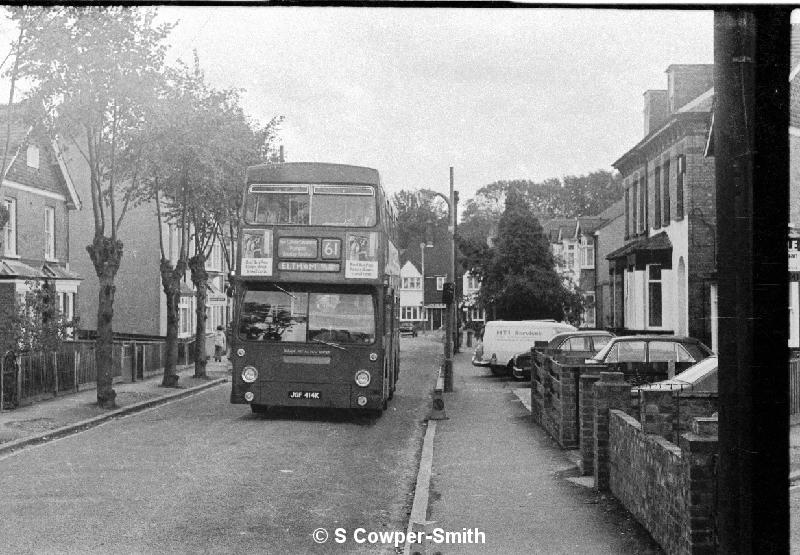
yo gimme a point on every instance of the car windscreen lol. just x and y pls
(307, 316)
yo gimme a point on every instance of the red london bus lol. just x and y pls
(316, 290)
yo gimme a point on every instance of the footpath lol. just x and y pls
(71, 412)
(497, 473)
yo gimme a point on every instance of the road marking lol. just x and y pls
(418, 519)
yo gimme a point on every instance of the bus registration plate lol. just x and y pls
(304, 395)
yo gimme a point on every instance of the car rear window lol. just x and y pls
(577, 344)
(627, 351)
(600, 341)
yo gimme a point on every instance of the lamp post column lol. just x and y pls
(448, 342)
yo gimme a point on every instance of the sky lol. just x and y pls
(497, 94)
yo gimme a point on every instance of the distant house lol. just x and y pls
(609, 235)
(666, 269)
(412, 307)
(41, 197)
(573, 243)
(471, 311)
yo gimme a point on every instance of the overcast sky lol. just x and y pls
(495, 93)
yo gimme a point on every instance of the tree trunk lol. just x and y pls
(106, 254)
(197, 264)
(171, 283)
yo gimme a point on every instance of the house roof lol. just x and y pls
(612, 212)
(20, 134)
(14, 269)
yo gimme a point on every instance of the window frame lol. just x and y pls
(10, 229)
(49, 233)
(652, 283)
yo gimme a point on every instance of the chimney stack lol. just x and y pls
(656, 109)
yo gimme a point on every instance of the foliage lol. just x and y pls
(415, 209)
(35, 323)
(569, 197)
(519, 280)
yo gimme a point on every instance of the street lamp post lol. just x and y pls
(450, 286)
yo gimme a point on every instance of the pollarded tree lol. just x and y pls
(95, 70)
(520, 281)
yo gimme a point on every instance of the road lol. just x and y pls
(203, 476)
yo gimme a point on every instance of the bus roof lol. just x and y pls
(312, 172)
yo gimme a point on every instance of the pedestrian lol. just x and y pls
(220, 347)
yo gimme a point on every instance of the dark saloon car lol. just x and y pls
(568, 345)
(650, 358)
(408, 328)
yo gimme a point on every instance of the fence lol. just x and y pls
(31, 376)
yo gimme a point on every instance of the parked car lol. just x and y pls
(701, 377)
(650, 358)
(502, 339)
(408, 328)
(567, 345)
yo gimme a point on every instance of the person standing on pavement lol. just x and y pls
(220, 347)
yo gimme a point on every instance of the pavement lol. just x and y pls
(69, 413)
(495, 472)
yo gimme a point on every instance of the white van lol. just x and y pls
(502, 339)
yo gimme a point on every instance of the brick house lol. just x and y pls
(664, 277)
(574, 245)
(609, 235)
(40, 196)
(139, 302)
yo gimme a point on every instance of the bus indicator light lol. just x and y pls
(362, 400)
(249, 374)
(363, 378)
(249, 396)
(373, 357)
(240, 352)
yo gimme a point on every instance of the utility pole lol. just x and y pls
(751, 151)
(450, 303)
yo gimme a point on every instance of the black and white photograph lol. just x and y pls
(400, 278)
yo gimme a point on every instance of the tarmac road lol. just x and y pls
(200, 475)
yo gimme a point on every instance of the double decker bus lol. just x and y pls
(316, 317)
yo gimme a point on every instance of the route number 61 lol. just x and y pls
(331, 248)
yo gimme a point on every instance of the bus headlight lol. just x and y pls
(363, 378)
(249, 374)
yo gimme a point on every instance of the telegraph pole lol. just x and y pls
(751, 151)
(448, 342)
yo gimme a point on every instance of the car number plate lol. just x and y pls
(304, 395)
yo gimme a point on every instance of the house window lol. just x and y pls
(627, 213)
(587, 256)
(679, 187)
(10, 230)
(642, 204)
(412, 283)
(472, 282)
(657, 197)
(439, 283)
(411, 313)
(654, 295)
(49, 233)
(569, 259)
(185, 319)
(667, 206)
(476, 314)
(635, 209)
(32, 157)
(588, 311)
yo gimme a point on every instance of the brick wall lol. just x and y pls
(669, 489)
(30, 225)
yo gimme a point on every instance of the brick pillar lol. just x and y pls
(569, 406)
(611, 392)
(586, 408)
(656, 411)
(699, 449)
(536, 393)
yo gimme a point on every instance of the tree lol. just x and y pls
(416, 210)
(199, 147)
(519, 281)
(95, 72)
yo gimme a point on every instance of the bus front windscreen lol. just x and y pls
(293, 316)
(332, 205)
